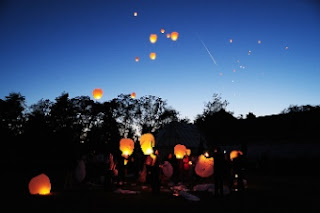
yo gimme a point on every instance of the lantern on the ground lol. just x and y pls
(147, 142)
(153, 56)
(126, 146)
(97, 93)
(180, 151)
(235, 154)
(204, 166)
(153, 38)
(174, 36)
(40, 184)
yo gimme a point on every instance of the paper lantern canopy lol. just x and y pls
(162, 30)
(235, 154)
(126, 146)
(204, 166)
(180, 151)
(153, 38)
(133, 95)
(137, 59)
(174, 36)
(153, 56)
(97, 93)
(147, 142)
(40, 184)
(168, 35)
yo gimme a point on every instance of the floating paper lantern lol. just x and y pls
(135, 14)
(180, 151)
(97, 93)
(126, 146)
(204, 166)
(168, 35)
(174, 36)
(133, 95)
(188, 152)
(147, 142)
(162, 30)
(153, 56)
(137, 59)
(40, 184)
(153, 38)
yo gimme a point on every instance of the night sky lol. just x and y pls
(48, 47)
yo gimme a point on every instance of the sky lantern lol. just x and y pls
(235, 154)
(135, 14)
(174, 36)
(40, 184)
(97, 93)
(162, 30)
(126, 146)
(168, 35)
(137, 59)
(133, 95)
(153, 56)
(230, 40)
(153, 38)
(147, 142)
(204, 166)
(188, 152)
(180, 151)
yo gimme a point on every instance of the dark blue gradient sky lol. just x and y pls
(52, 46)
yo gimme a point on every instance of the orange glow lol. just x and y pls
(188, 152)
(126, 146)
(147, 142)
(168, 35)
(153, 38)
(133, 95)
(180, 150)
(204, 166)
(235, 154)
(174, 36)
(97, 93)
(153, 56)
(40, 184)
(137, 59)
(162, 30)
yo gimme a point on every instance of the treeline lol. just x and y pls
(68, 127)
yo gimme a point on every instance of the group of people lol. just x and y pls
(148, 170)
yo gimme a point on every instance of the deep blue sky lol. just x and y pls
(52, 46)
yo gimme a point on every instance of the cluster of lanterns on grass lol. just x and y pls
(40, 184)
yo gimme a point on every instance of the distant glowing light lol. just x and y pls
(230, 40)
(135, 14)
(137, 59)
(97, 93)
(286, 47)
(249, 52)
(174, 36)
(162, 30)
(259, 41)
(153, 38)
(133, 95)
(168, 35)
(153, 56)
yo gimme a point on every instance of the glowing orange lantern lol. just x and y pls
(133, 95)
(168, 35)
(174, 36)
(126, 146)
(147, 142)
(97, 93)
(40, 184)
(135, 14)
(137, 59)
(153, 38)
(153, 56)
(188, 152)
(235, 154)
(162, 30)
(204, 166)
(180, 151)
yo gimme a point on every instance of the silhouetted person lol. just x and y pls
(218, 170)
(175, 165)
(238, 171)
(155, 174)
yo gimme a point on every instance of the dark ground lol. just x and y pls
(264, 193)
